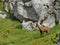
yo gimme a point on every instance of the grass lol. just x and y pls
(11, 33)
(1, 5)
(46, 40)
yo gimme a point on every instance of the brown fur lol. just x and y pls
(42, 28)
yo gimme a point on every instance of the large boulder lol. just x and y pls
(5, 4)
(29, 25)
(2, 15)
(34, 10)
(47, 7)
(25, 11)
(44, 8)
(58, 9)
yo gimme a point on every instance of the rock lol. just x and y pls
(58, 43)
(26, 0)
(25, 12)
(2, 15)
(1, 0)
(5, 6)
(11, 5)
(58, 9)
(34, 10)
(28, 4)
(42, 8)
(49, 21)
(29, 25)
(58, 39)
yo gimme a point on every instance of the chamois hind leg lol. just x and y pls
(41, 32)
(47, 32)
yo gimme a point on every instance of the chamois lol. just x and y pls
(42, 28)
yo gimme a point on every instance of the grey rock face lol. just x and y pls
(11, 5)
(34, 10)
(50, 21)
(58, 43)
(58, 9)
(2, 15)
(28, 25)
(5, 6)
(26, 11)
(43, 8)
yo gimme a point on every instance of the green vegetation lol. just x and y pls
(1, 5)
(12, 34)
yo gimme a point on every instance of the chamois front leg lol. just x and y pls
(47, 31)
(41, 32)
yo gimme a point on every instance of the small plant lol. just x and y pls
(56, 39)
